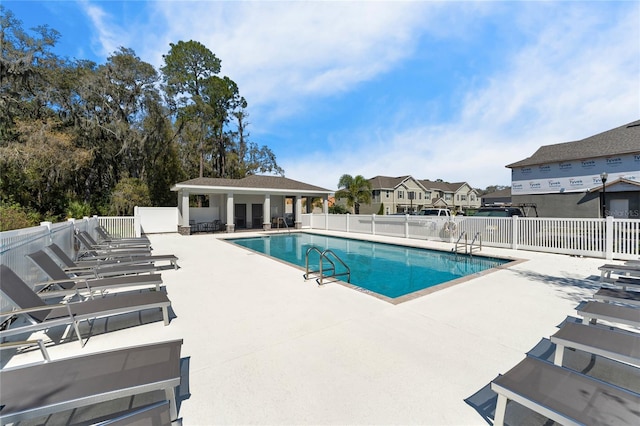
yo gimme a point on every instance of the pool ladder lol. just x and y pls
(321, 273)
(284, 221)
(468, 248)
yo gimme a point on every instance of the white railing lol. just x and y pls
(122, 226)
(611, 238)
(16, 244)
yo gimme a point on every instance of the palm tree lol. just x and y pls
(355, 189)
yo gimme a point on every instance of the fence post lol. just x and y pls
(608, 245)
(373, 224)
(326, 221)
(514, 232)
(406, 226)
(137, 226)
(347, 216)
(48, 225)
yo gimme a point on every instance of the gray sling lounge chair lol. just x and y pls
(69, 285)
(564, 396)
(593, 311)
(105, 236)
(628, 270)
(90, 263)
(92, 246)
(617, 295)
(41, 316)
(157, 414)
(627, 282)
(49, 267)
(142, 243)
(34, 391)
(617, 345)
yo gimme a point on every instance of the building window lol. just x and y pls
(448, 197)
(420, 195)
(463, 197)
(387, 194)
(400, 194)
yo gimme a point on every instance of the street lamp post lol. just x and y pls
(603, 178)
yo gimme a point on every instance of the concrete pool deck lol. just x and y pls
(266, 347)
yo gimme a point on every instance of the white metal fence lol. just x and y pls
(16, 244)
(608, 238)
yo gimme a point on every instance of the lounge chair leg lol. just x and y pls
(165, 315)
(559, 355)
(501, 408)
(171, 397)
(77, 330)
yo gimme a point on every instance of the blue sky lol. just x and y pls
(436, 90)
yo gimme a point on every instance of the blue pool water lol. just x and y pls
(387, 269)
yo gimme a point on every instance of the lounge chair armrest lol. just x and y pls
(34, 309)
(26, 343)
(70, 279)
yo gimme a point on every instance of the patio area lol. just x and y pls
(265, 347)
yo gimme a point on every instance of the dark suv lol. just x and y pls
(499, 212)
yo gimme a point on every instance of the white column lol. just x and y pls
(325, 204)
(266, 212)
(608, 246)
(184, 208)
(230, 224)
(298, 218)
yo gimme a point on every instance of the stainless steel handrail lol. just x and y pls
(478, 237)
(462, 234)
(321, 272)
(283, 220)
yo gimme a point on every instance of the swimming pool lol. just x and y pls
(386, 269)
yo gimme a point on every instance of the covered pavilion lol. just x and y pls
(253, 202)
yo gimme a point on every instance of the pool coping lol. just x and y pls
(512, 261)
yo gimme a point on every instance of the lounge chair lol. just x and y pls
(628, 270)
(593, 311)
(49, 267)
(157, 414)
(610, 343)
(618, 296)
(105, 236)
(91, 245)
(627, 282)
(70, 285)
(564, 396)
(44, 389)
(41, 316)
(91, 262)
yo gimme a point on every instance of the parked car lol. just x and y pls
(435, 212)
(499, 212)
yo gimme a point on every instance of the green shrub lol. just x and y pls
(13, 216)
(127, 194)
(78, 210)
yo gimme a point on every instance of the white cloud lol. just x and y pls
(280, 53)
(576, 74)
(109, 36)
(578, 77)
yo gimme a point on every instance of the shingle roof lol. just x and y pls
(255, 181)
(621, 140)
(441, 186)
(387, 182)
(506, 192)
